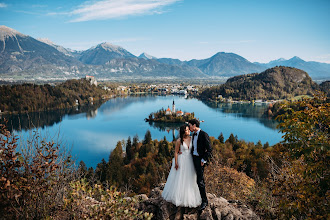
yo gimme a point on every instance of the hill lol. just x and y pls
(325, 87)
(32, 98)
(274, 83)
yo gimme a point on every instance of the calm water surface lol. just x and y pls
(92, 132)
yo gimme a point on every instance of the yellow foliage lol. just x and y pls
(228, 182)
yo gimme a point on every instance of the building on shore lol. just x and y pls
(92, 80)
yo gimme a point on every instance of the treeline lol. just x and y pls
(286, 107)
(161, 116)
(142, 167)
(31, 97)
(287, 180)
(273, 84)
(145, 164)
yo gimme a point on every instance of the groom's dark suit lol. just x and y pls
(204, 151)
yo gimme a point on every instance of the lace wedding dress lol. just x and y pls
(181, 187)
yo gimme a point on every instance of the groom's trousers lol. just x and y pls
(200, 177)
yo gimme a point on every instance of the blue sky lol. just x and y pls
(258, 30)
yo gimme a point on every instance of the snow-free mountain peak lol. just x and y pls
(6, 32)
(146, 56)
(46, 41)
(66, 51)
(103, 53)
(278, 60)
(108, 47)
(295, 58)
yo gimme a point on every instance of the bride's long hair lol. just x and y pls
(182, 132)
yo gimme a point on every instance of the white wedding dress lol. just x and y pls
(181, 187)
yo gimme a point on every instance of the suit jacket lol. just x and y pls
(204, 148)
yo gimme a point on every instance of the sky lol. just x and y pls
(258, 30)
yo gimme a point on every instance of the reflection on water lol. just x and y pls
(245, 110)
(93, 131)
(28, 121)
(167, 127)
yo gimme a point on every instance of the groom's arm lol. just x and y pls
(208, 148)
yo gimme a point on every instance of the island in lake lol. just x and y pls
(170, 115)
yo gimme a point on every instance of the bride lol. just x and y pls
(181, 187)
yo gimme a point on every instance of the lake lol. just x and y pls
(93, 131)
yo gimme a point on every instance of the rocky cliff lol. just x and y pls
(218, 208)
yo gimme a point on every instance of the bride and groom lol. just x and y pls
(185, 184)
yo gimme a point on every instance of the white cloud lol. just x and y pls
(324, 58)
(101, 142)
(237, 42)
(3, 5)
(84, 45)
(109, 9)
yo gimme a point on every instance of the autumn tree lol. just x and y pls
(302, 184)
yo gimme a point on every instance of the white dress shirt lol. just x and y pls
(195, 153)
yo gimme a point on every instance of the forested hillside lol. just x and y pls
(274, 83)
(32, 97)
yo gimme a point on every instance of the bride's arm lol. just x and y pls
(176, 152)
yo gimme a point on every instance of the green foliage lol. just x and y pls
(86, 202)
(82, 169)
(221, 138)
(129, 155)
(32, 98)
(114, 168)
(147, 138)
(325, 87)
(274, 83)
(161, 116)
(302, 182)
(306, 127)
(147, 166)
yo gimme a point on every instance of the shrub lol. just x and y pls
(87, 202)
(33, 180)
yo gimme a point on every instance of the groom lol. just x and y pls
(201, 151)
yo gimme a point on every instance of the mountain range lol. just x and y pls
(25, 58)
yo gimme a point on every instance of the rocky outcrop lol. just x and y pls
(218, 208)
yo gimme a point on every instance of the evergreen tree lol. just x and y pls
(82, 169)
(259, 144)
(128, 150)
(166, 148)
(232, 139)
(221, 138)
(147, 138)
(116, 162)
(101, 171)
(90, 174)
(266, 145)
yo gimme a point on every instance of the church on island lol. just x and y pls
(170, 115)
(173, 112)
